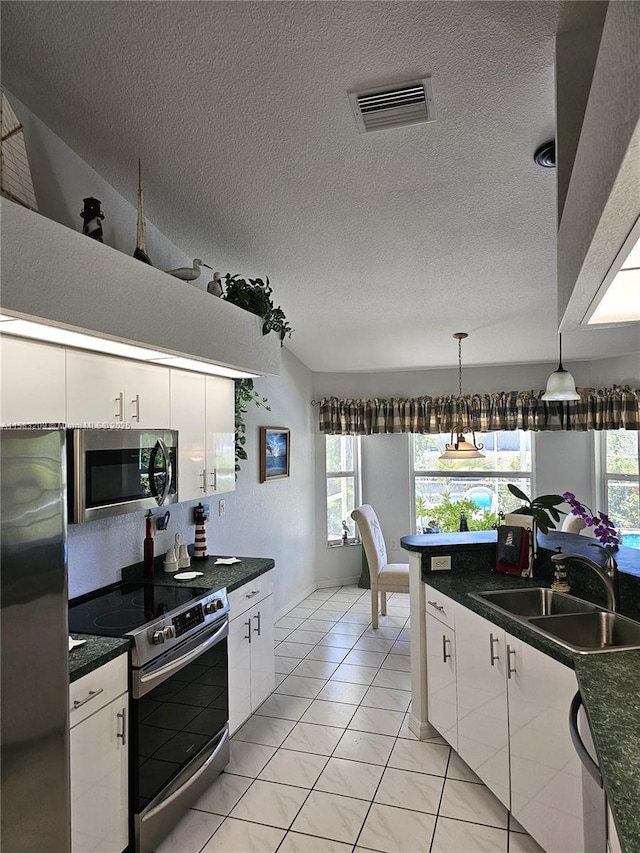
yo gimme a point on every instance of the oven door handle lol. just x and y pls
(143, 683)
(167, 800)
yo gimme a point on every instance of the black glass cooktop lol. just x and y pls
(127, 607)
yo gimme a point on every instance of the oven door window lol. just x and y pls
(176, 720)
(125, 475)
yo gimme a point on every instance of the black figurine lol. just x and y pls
(92, 217)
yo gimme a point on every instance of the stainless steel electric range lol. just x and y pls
(179, 731)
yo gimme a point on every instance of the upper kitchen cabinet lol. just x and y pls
(32, 386)
(113, 391)
(203, 412)
(221, 459)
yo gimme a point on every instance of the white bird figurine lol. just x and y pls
(215, 285)
(189, 273)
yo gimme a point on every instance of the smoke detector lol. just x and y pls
(393, 105)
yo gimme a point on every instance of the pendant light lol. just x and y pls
(461, 448)
(561, 385)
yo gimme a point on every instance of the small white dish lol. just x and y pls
(187, 576)
(73, 643)
(226, 561)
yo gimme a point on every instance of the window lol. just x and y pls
(343, 486)
(621, 479)
(445, 488)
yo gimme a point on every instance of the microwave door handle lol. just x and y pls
(168, 468)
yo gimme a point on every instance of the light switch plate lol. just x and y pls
(441, 564)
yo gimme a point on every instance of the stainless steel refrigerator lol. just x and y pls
(34, 653)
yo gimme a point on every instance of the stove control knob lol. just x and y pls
(158, 637)
(169, 632)
(213, 605)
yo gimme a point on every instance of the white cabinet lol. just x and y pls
(483, 731)
(32, 382)
(441, 666)
(220, 445)
(99, 760)
(613, 842)
(546, 773)
(203, 412)
(251, 648)
(111, 391)
(188, 418)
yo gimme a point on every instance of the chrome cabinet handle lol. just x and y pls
(445, 654)
(257, 630)
(92, 695)
(203, 487)
(248, 634)
(123, 734)
(252, 593)
(437, 606)
(510, 652)
(493, 657)
(214, 479)
(136, 403)
(120, 401)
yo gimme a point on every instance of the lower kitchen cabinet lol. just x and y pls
(441, 671)
(546, 773)
(99, 706)
(512, 729)
(483, 729)
(251, 648)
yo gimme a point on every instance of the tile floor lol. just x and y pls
(327, 763)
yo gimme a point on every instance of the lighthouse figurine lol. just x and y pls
(200, 546)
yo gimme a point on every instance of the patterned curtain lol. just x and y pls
(617, 407)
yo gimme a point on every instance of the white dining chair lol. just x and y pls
(385, 577)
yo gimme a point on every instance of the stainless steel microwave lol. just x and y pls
(118, 471)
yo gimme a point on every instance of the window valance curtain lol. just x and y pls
(617, 407)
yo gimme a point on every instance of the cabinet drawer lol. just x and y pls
(440, 606)
(251, 593)
(96, 689)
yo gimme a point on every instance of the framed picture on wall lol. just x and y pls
(275, 453)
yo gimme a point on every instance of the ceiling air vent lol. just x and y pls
(393, 106)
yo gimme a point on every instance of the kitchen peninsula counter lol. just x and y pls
(609, 682)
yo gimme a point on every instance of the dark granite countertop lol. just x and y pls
(213, 577)
(609, 683)
(94, 653)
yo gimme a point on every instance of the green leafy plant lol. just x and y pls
(422, 510)
(447, 515)
(254, 295)
(542, 508)
(245, 394)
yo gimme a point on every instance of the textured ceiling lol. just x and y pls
(378, 246)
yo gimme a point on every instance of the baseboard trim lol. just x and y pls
(422, 730)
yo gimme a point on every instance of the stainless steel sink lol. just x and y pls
(575, 624)
(599, 631)
(536, 601)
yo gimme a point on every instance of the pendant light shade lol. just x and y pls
(461, 448)
(561, 385)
